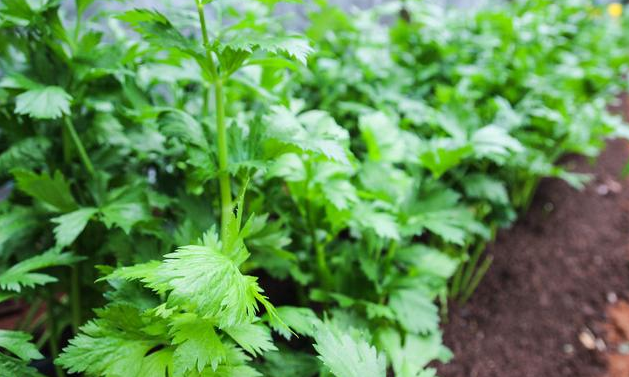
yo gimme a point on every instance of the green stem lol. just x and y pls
(67, 151)
(223, 177)
(322, 263)
(77, 27)
(43, 339)
(75, 299)
(221, 129)
(79, 146)
(206, 41)
(52, 341)
(471, 265)
(480, 273)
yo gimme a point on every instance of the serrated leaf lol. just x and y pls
(71, 225)
(16, 225)
(105, 350)
(179, 124)
(293, 45)
(481, 186)
(124, 215)
(383, 224)
(440, 213)
(21, 274)
(313, 131)
(50, 102)
(427, 261)
(252, 337)
(10, 366)
(19, 343)
(495, 143)
(303, 321)
(409, 354)
(27, 153)
(441, 155)
(54, 191)
(197, 343)
(346, 356)
(157, 29)
(415, 310)
(205, 280)
(288, 363)
(384, 139)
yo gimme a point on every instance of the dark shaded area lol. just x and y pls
(552, 276)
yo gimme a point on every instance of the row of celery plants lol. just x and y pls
(351, 176)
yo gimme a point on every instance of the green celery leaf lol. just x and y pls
(179, 124)
(205, 280)
(19, 343)
(21, 274)
(313, 131)
(16, 224)
(427, 261)
(110, 347)
(10, 366)
(346, 356)
(303, 321)
(410, 354)
(54, 191)
(415, 310)
(71, 225)
(27, 153)
(125, 215)
(294, 45)
(482, 186)
(383, 224)
(439, 212)
(441, 155)
(50, 102)
(495, 143)
(288, 363)
(197, 344)
(157, 29)
(254, 338)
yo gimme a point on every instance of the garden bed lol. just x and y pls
(542, 305)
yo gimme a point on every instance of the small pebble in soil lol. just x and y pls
(548, 207)
(612, 297)
(587, 339)
(610, 186)
(602, 190)
(600, 345)
(623, 348)
(568, 348)
(613, 186)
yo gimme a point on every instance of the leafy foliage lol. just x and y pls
(202, 158)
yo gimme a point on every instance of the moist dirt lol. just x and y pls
(551, 303)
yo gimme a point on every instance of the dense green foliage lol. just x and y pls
(238, 200)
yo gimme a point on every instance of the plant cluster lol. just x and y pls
(240, 200)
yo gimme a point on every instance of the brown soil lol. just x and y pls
(541, 310)
(617, 337)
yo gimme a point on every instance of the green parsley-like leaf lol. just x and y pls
(415, 310)
(252, 337)
(197, 343)
(71, 225)
(50, 102)
(54, 191)
(21, 274)
(410, 354)
(19, 343)
(346, 356)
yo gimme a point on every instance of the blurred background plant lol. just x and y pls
(354, 173)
